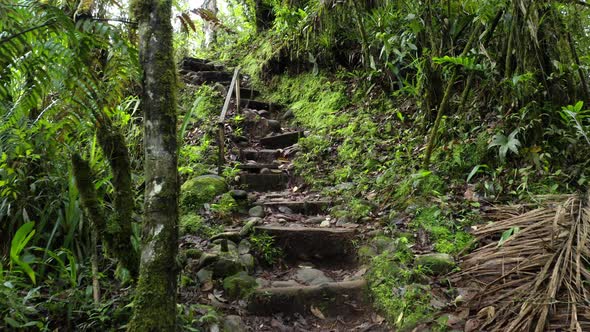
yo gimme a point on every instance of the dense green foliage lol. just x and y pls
(495, 90)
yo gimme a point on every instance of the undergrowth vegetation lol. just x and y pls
(419, 113)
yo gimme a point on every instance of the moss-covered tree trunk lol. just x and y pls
(155, 297)
(113, 145)
(94, 213)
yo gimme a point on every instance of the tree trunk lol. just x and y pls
(208, 27)
(155, 295)
(114, 147)
(94, 213)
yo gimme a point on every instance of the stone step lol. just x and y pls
(264, 182)
(260, 127)
(248, 93)
(256, 168)
(203, 77)
(260, 105)
(302, 207)
(260, 155)
(282, 140)
(314, 244)
(193, 64)
(331, 299)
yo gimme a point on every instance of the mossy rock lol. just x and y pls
(366, 253)
(200, 190)
(186, 254)
(383, 243)
(190, 223)
(226, 266)
(239, 285)
(436, 263)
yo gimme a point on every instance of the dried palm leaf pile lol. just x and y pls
(532, 271)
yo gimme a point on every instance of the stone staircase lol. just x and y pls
(318, 285)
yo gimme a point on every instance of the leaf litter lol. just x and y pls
(538, 278)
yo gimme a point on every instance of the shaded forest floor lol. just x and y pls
(319, 193)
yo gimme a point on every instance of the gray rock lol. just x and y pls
(437, 263)
(274, 125)
(239, 194)
(249, 225)
(343, 220)
(256, 211)
(248, 261)
(233, 323)
(265, 171)
(204, 275)
(232, 248)
(244, 247)
(208, 259)
(262, 282)
(287, 283)
(287, 115)
(325, 223)
(285, 210)
(366, 253)
(226, 266)
(382, 243)
(311, 276)
(316, 220)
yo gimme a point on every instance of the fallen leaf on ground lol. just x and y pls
(317, 312)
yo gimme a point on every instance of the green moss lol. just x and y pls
(315, 100)
(200, 190)
(366, 253)
(436, 263)
(192, 223)
(447, 234)
(239, 285)
(395, 293)
(354, 208)
(422, 183)
(154, 307)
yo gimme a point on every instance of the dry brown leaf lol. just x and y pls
(207, 286)
(487, 315)
(537, 279)
(317, 312)
(472, 325)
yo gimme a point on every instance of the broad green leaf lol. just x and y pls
(505, 143)
(474, 171)
(507, 234)
(22, 236)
